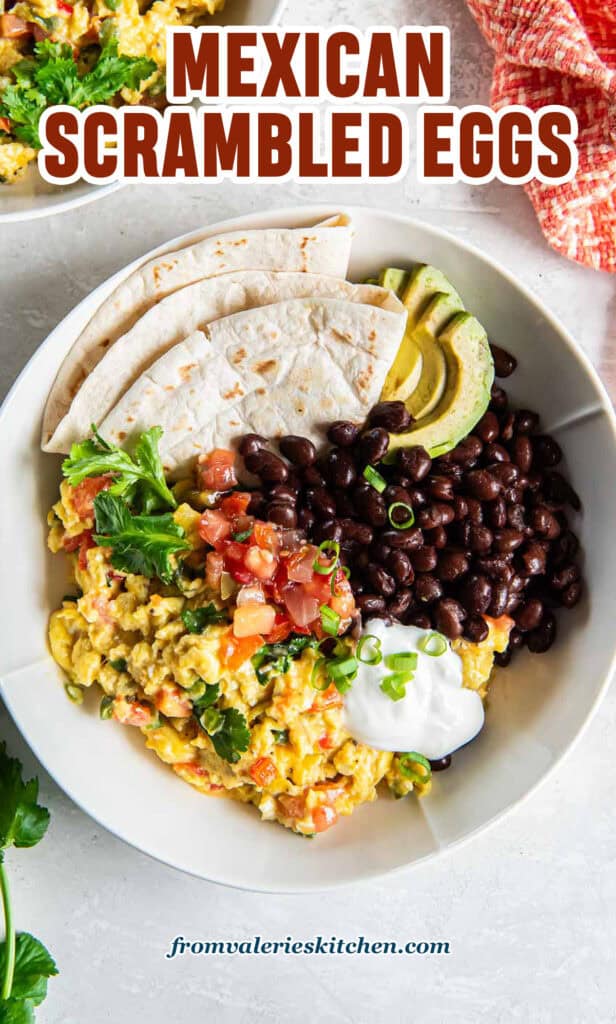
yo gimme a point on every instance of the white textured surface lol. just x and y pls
(527, 907)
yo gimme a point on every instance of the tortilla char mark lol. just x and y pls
(234, 392)
(185, 371)
(238, 357)
(266, 367)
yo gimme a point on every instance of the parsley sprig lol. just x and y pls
(51, 76)
(139, 479)
(141, 544)
(25, 964)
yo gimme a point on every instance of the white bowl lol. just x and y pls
(537, 707)
(32, 197)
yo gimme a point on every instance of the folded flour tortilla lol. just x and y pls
(323, 249)
(176, 318)
(288, 368)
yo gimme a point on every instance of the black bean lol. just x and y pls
(533, 559)
(257, 504)
(560, 491)
(480, 539)
(372, 508)
(547, 451)
(526, 422)
(516, 517)
(507, 426)
(474, 510)
(417, 498)
(497, 513)
(540, 640)
(340, 468)
(516, 639)
(306, 519)
(283, 493)
(420, 619)
(487, 429)
(251, 443)
(392, 416)
(467, 452)
(424, 560)
(298, 450)
(561, 578)
(370, 604)
(504, 362)
(282, 514)
(483, 485)
(343, 433)
(495, 453)
(414, 462)
(329, 529)
(427, 588)
(394, 493)
(313, 477)
(321, 502)
(564, 548)
(500, 597)
(400, 604)
(476, 629)
(508, 540)
(498, 399)
(544, 522)
(476, 594)
(522, 452)
(380, 552)
(359, 532)
(503, 658)
(451, 566)
(399, 564)
(507, 473)
(529, 615)
(460, 507)
(267, 466)
(496, 568)
(406, 540)
(441, 488)
(442, 764)
(373, 445)
(436, 514)
(437, 537)
(452, 470)
(571, 595)
(381, 580)
(448, 617)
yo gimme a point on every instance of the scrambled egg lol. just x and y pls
(125, 634)
(140, 29)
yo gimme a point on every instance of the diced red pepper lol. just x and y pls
(263, 771)
(324, 817)
(5, 124)
(82, 542)
(62, 6)
(236, 504)
(330, 698)
(84, 494)
(235, 651)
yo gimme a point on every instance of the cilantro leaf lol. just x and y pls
(33, 966)
(211, 695)
(196, 619)
(16, 1011)
(23, 822)
(275, 659)
(141, 544)
(139, 479)
(51, 76)
(233, 737)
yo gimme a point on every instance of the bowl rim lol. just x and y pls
(294, 215)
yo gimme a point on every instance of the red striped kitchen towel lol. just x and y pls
(564, 51)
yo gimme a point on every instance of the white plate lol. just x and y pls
(537, 707)
(31, 197)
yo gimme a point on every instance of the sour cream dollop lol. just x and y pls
(435, 717)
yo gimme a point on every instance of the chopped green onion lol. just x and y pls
(433, 644)
(406, 661)
(440, 449)
(242, 535)
(197, 690)
(406, 523)
(281, 736)
(394, 686)
(326, 547)
(106, 708)
(375, 479)
(330, 620)
(212, 721)
(119, 664)
(74, 693)
(342, 672)
(374, 656)
(323, 683)
(408, 766)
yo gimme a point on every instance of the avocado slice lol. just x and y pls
(431, 385)
(425, 282)
(470, 375)
(394, 279)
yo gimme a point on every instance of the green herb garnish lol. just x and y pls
(406, 661)
(233, 737)
(209, 696)
(242, 536)
(196, 619)
(106, 708)
(275, 659)
(394, 686)
(119, 664)
(141, 544)
(375, 479)
(434, 645)
(25, 964)
(406, 523)
(369, 650)
(409, 764)
(51, 76)
(139, 478)
(281, 736)
(330, 620)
